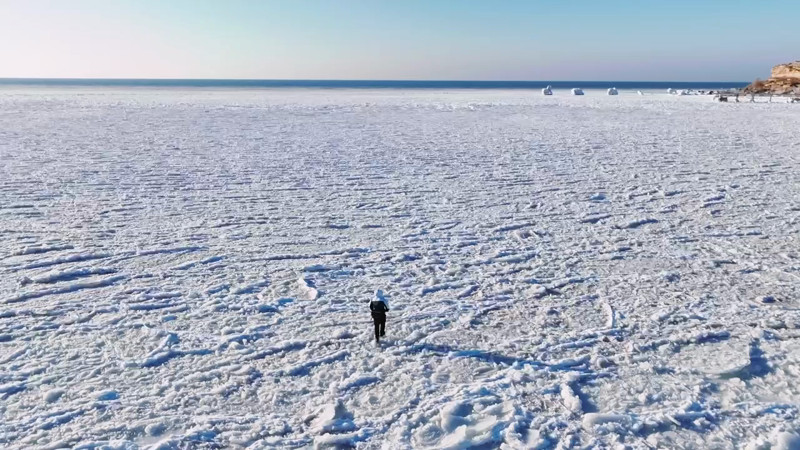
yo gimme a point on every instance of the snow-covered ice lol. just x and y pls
(192, 269)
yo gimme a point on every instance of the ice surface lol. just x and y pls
(192, 269)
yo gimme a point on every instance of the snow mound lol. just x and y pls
(333, 418)
(475, 422)
(306, 289)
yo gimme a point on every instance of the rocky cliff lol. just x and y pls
(790, 70)
(784, 79)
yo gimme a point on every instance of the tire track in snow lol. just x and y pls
(74, 287)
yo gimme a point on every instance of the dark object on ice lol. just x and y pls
(379, 308)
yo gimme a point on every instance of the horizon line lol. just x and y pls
(358, 80)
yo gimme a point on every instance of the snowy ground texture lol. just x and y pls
(192, 269)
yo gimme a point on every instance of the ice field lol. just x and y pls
(192, 269)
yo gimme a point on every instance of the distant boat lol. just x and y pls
(613, 91)
(548, 90)
(577, 91)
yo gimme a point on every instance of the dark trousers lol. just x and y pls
(379, 319)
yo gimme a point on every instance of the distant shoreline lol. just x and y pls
(367, 84)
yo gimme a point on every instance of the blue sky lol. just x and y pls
(676, 40)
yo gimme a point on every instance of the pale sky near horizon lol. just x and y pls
(642, 40)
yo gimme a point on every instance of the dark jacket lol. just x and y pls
(378, 308)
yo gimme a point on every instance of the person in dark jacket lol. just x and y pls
(379, 306)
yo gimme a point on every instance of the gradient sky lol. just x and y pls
(642, 40)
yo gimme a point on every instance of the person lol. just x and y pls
(378, 307)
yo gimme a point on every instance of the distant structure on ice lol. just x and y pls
(613, 91)
(577, 91)
(671, 91)
(548, 90)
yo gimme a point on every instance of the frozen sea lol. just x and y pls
(191, 268)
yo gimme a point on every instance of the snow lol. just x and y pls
(787, 441)
(192, 268)
(53, 395)
(591, 420)
(107, 395)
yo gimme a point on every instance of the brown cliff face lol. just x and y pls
(791, 70)
(785, 79)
